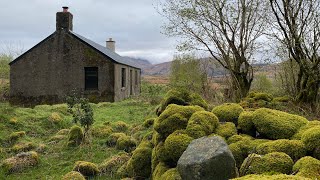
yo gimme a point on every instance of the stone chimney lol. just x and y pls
(64, 20)
(111, 44)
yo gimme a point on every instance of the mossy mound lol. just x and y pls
(294, 148)
(73, 175)
(171, 174)
(160, 169)
(316, 153)
(24, 146)
(148, 122)
(63, 132)
(16, 135)
(111, 165)
(272, 163)
(75, 136)
(228, 112)
(271, 177)
(139, 165)
(311, 138)
(55, 117)
(86, 168)
(307, 167)
(236, 138)
(126, 143)
(261, 96)
(175, 145)
(226, 130)
(202, 123)
(274, 124)
(113, 138)
(245, 123)
(120, 126)
(281, 99)
(57, 138)
(309, 125)
(102, 131)
(197, 100)
(20, 162)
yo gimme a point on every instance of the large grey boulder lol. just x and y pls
(207, 158)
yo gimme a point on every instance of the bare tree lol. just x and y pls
(297, 28)
(227, 29)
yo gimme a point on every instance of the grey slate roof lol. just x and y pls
(116, 57)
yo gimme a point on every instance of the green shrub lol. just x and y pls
(226, 130)
(202, 121)
(73, 175)
(303, 129)
(16, 135)
(148, 122)
(24, 146)
(307, 167)
(294, 148)
(271, 177)
(111, 165)
(86, 168)
(175, 145)
(139, 165)
(120, 126)
(113, 138)
(75, 136)
(171, 174)
(228, 112)
(160, 169)
(20, 162)
(245, 123)
(126, 143)
(311, 138)
(272, 163)
(274, 124)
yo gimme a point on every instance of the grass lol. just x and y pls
(57, 159)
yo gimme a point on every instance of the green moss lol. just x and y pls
(148, 122)
(175, 145)
(63, 132)
(316, 153)
(236, 138)
(171, 174)
(196, 99)
(20, 162)
(185, 111)
(311, 138)
(274, 124)
(16, 135)
(24, 146)
(170, 124)
(307, 167)
(271, 177)
(294, 148)
(57, 138)
(272, 163)
(160, 169)
(262, 96)
(75, 136)
(156, 138)
(139, 165)
(126, 143)
(303, 129)
(245, 123)
(102, 131)
(226, 130)
(228, 112)
(202, 123)
(74, 175)
(120, 126)
(55, 117)
(113, 138)
(111, 165)
(86, 168)
(282, 99)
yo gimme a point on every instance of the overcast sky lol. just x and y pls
(135, 25)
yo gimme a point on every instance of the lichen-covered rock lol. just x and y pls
(20, 162)
(228, 112)
(139, 165)
(111, 165)
(274, 124)
(226, 130)
(276, 162)
(307, 167)
(203, 160)
(309, 125)
(86, 168)
(171, 174)
(271, 177)
(113, 138)
(126, 143)
(311, 138)
(75, 136)
(202, 123)
(245, 123)
(73, 175)
(294, 148)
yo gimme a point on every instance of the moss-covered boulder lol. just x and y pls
(76, 136)
(311, 138)
(202, 123)
(110, 166)
(160, 169)
(274, 124)
(271, 177)
(102, 131)
(139, 165)
(13, 137)
(55, 117)
(309, 125)
(245, 123)
(86, 168)
(276, 162)
(175, 145)
(236, 138)
(261, 96)
(20, 162)
(126, 143)
(197, 100)
(148, 122)
(307, 167)
(226, 130)
(171, 174)
(120, 126)
(73, 175)
(294, 148)
(23, 146)
(113, 138)
(228, 112)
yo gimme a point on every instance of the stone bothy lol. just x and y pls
(66, 63)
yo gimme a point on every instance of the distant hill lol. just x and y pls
(139, 62)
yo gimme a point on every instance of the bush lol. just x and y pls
(276, 162)
(245, 123)
(226, 130)
(111, 165)
(139, 165)
(20, 162)
(74, 175)
(75, 136)
(16, 135)
(113, 138)
(121, 126)
(272, 177)
(294, 148)
(160, 169)
(228, 112)
(202, 123)
(303, 129)
(175, 145)
(307, 167)
(171, 174)
(311, 138)
(126, 143)
(86, 168)
(274, 124)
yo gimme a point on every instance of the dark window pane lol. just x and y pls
(91, 78)
(123, 77)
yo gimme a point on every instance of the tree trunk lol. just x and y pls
(240, 85)
(309, 90)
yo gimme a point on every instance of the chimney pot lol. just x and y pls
(65, 9)
(111, 44)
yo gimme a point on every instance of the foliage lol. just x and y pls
(228, 112)
(307, 167)
(5, 59)
(152, 92)
(262, 83)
